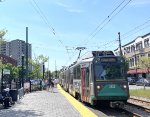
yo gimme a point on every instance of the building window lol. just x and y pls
(132, 48)
(128, 49)
(132, 61)
(146, 43)
(139, 46)
(137, 59)
(142, 55)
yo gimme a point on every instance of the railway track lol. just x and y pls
(133, 109)
(137, 107)
(143, 104)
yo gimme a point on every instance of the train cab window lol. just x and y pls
(108, 72)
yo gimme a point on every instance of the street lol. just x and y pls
(138, 87)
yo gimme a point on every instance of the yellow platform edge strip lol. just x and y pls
(85, 112)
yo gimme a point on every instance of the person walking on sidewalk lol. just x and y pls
(48, 84)
(52, 86)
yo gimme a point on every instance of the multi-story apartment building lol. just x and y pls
(133, 51)
(16, 49)
(4, 48)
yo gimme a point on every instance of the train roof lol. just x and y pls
(93, 54)
(89, 56)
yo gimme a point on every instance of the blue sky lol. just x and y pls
(76, 23)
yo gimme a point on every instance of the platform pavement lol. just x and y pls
(41, 104)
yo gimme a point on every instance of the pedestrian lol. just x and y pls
(55, 82)
(52, 86)
(48, 84)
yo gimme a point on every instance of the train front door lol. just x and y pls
(85, 84)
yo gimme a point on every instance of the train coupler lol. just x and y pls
(118, 104)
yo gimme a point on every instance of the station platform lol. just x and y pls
(47, 104)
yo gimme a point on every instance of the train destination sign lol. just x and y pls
(108, 59)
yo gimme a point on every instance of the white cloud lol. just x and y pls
(140, 2)
(75, 10)
(62, 4)
(68, 8)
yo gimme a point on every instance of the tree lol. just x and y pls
(2, 34)
(48, 74)
(2, 40)
(144, 63)
(36, 63)
(13, 70)
(125, 65)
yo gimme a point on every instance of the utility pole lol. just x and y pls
(80, 49)
(120, 44)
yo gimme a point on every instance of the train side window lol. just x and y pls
(87, 76)
(78, 72)
(74, 73)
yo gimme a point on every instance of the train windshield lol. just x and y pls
(108, 72)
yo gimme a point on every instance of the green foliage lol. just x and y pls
(140, 93)
(125, 63)
(37, 63)
(2, 34)
(13, 70)
(48, 74)
(144, 62)
(55, 74)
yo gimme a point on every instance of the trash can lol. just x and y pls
(14, 94)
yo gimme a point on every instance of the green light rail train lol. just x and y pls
(96, 78)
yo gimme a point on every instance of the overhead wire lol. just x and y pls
(110, 19)
(93, 34)
(106, 18)
(42, 15)
(127, 34)
(96, 29)
(106, 21)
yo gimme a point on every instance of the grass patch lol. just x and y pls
(140, 93)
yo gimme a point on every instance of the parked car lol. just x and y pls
(35, 82)
(143, 81)
(131, 80)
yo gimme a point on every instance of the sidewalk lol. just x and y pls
(41, 104)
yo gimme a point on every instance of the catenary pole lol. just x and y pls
(27, 56)
(120, 44)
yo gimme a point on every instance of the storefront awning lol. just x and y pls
(138, 71)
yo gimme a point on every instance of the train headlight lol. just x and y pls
(98, 87)
(124, 86)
